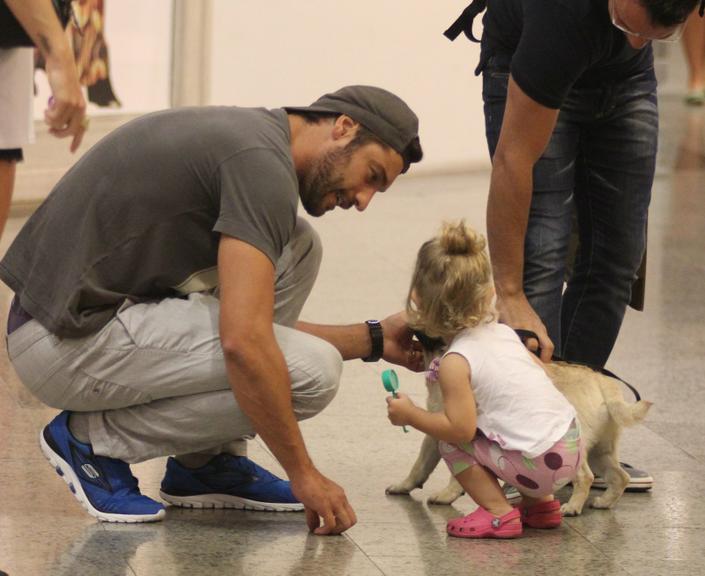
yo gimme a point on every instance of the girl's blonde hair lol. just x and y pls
(452, 283)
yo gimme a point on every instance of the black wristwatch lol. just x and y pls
(377, 338)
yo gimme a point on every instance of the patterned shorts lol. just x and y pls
(535, 477)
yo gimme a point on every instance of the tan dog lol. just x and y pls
(602, 412)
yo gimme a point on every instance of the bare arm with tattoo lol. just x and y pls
(66, 113)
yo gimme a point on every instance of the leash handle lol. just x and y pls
(525, 335)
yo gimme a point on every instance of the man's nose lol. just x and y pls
(364, 197)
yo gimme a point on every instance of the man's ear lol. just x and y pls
(344, 127)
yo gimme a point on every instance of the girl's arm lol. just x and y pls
(458, 421)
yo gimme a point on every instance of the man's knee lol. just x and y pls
(547, 245)
(316, 378)
(296, 273)
(306, 245)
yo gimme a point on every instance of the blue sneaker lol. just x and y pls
(104, 486)
(227, 481)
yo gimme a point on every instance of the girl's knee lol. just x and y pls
(456, 457)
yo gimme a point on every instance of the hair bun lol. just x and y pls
(457, 239)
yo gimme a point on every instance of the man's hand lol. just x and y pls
(66, 113)
(258, 374)
(399, 409)
(516, 312)
(526, 130)
(399, 346)
(323, 499)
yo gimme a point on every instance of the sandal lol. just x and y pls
(482, 524)
(695, 97)
(541, 515)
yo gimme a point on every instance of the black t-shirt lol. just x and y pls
(11, 32)
(560, 44)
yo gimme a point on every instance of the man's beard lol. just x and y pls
(323, 178)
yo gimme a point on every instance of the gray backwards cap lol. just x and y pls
(385, 115)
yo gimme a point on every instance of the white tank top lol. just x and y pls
(517, 405)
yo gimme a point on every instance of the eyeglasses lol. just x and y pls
(673, 36)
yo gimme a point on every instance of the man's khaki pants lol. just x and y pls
(153, 380)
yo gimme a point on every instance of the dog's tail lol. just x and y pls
(628, 414)
(623, 413)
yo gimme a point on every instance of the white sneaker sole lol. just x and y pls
(511, 493)
(62, 468)
(636, 485)
(226, 501)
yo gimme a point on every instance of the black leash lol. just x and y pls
(525, 335)
(429, 344)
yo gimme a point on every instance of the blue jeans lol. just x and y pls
(599, 165)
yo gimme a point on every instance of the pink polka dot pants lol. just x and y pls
(535, 477)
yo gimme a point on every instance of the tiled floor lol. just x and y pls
(365, 273)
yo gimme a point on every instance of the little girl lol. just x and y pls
(502, 417)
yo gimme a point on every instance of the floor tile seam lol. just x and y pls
(15, 459)
(667, 440)
(640, 572)
(33, 404)
(594, 546)
(441, 524)
(7, 393)
(365, 554)
(624, 568)
(133, 572)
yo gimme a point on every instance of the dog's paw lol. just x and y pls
(602, 503)
(444, 498)
(569, 509)
(401, 489)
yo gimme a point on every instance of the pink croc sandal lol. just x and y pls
(541, 515)
(482, 524)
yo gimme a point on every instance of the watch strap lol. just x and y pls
(377, 339)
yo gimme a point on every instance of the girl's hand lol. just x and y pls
(399, 409)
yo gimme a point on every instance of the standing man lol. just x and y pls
(114, 321)
(24, 23)
(572, 125)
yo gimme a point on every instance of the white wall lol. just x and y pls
(286, 52)
(671, 69)
(139, 43)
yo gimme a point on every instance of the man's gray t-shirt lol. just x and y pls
(139, 217)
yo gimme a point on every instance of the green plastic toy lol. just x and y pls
(391, 384)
